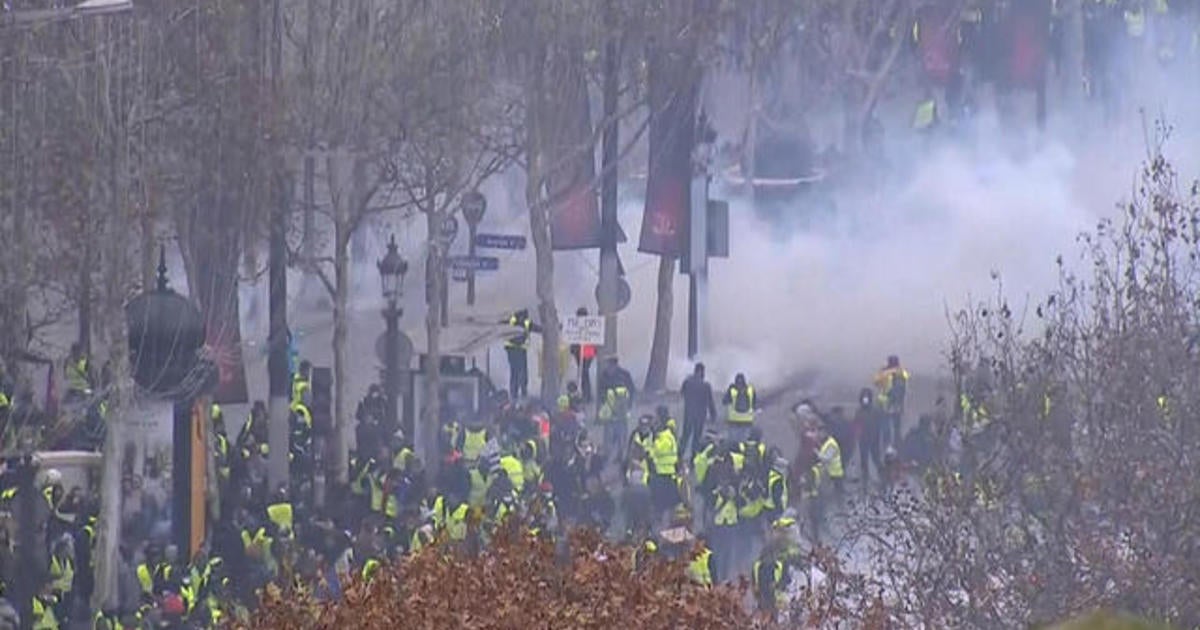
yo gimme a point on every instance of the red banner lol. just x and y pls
(575, 214)
(223, 345)
(938, 43)
(668, 185)
(1029, 43)
(575, 217)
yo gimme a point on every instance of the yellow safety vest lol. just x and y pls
(616, 405)
(300, 387)
(701, 462)
(741, 417)
(699, 569)
(726, 512)
(146, 577)
(925, 115)
(62, 574)
(474, 441)
(885, 380)
(43, 616)
(831, 455)
(281, 515)
(777, 575)
(77, 377)
(520, 341)
(776, 479)
(369, 568)
(665, 453)
(479, 487)
(515, 470)
(456, 524)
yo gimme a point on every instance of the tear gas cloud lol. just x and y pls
(836, 293)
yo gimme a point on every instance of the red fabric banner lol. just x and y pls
(1028, 44)
(938, 45)
(668, 185)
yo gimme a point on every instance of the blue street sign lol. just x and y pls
(500, 241)
(460, 275)
(478, 263)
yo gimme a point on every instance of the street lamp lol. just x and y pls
(391, 276)
(474, 205)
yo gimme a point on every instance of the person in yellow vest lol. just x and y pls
(725, 528)
(456, 522)
(699, 569)
(739, 403)
(613, 418)
(480, 482)
(62, 577)
(473, 440)
(891, 387)
(222, 453)
(281, 514)
(770, 577)
(777, 491)
(664, 459)
(302, 384)
(925, 116)
(636, 498)
(829, 457)
(43, 612)
(78, 374)
(515, 470)
(517, 349)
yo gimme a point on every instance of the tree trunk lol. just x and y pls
(1072, 70)
(429, 420)
(539, 224)
(341, 269)
(660, 349)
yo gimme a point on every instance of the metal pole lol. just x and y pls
(181, 477)
(472, 228)
(27, 587)
(609, 264)
(277, 360)
(698, 263)
(445, 296)
(392, 315)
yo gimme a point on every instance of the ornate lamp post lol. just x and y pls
(474, 205)
(391, 276)
(166, 336)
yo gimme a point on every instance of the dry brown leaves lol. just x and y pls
(519, 582)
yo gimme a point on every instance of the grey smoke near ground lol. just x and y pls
(836, 293)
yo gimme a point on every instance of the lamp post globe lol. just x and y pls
(474, 205)
(392, 268)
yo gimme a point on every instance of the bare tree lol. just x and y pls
(461, 128)
(1065, 479)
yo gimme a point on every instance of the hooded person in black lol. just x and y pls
(868, 423)
(698, 408)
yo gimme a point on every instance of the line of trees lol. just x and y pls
(194, 120)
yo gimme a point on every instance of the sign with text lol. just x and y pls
(585, 330)
(500, 241)
(475, 263)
